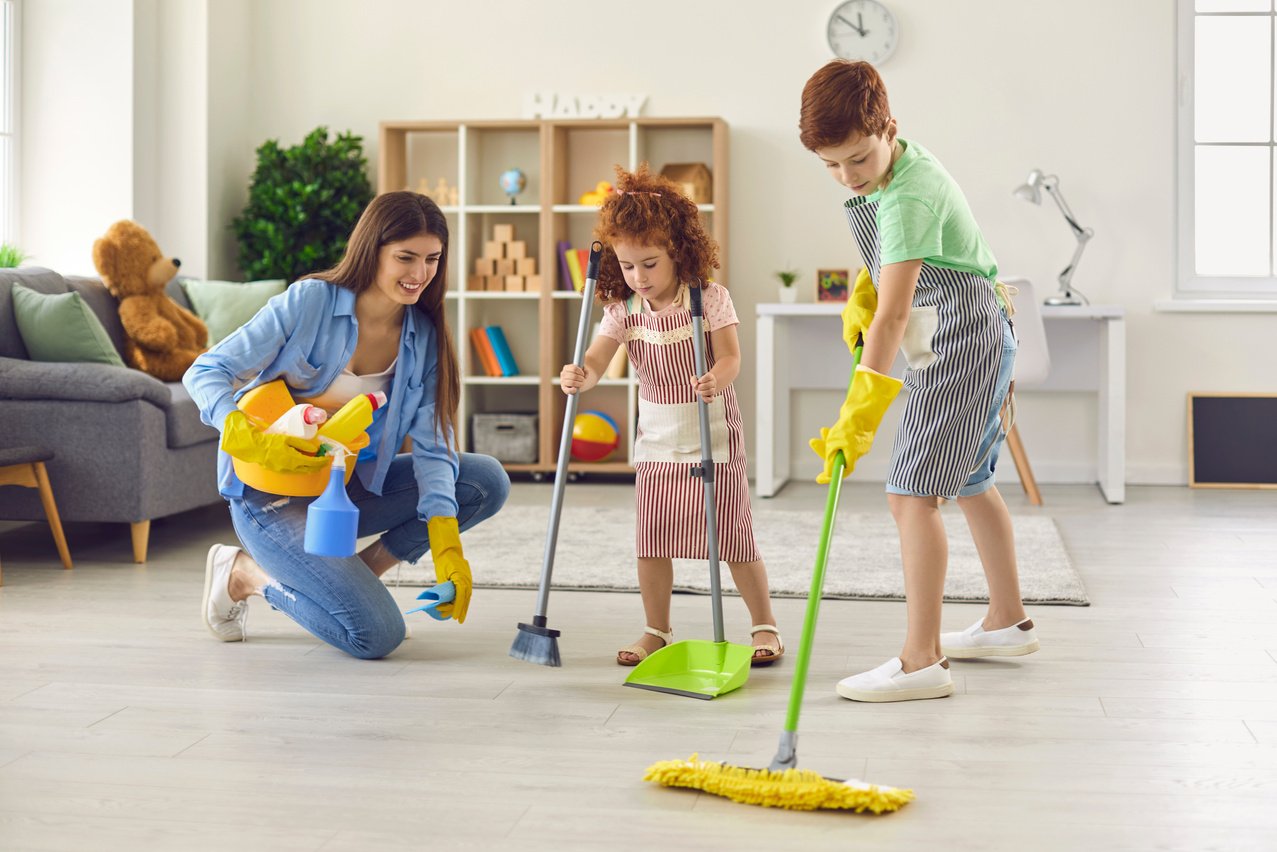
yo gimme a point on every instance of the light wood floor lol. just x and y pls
(1147, 721)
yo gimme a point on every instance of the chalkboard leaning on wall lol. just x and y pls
(1232, 440)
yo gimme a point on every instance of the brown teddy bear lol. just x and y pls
(162, 337)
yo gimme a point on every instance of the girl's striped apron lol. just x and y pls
(671, 502)
(953, 345)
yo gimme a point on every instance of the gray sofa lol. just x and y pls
(129, 448)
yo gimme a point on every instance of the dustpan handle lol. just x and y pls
(706, 471)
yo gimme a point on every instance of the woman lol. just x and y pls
(373, 323)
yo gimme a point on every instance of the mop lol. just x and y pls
(535, 642)
(783, 785)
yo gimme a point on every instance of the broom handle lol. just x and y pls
(565, 441)
(817, 579)
(707, 469)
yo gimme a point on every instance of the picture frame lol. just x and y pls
(833, 285)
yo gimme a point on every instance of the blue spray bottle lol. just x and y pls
(332, 521)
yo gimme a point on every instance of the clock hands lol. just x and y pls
(860, 28)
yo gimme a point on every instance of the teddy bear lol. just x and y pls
(161, 337)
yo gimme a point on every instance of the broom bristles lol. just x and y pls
(796, 789)
(536, 648)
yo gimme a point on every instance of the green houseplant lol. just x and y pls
(303, 202)
(11, 256)
(787, 277)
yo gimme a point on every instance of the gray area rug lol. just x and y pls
(596, 552)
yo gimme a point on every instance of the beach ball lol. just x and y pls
(594, 436)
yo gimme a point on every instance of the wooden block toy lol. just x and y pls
(485, 266)
(506, 267)
(493, 248)
(514, 283)
(516, 249)
(525, 266)
(476, 282)
(503, 233)
(532, 284)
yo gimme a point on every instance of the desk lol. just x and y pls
(800, 347)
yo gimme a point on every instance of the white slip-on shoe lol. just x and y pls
(1014, 641)
(223, 617)
(888, 682)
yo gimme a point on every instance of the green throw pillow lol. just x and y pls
(61, 327)
(226, 305)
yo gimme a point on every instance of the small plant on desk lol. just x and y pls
(787, 277)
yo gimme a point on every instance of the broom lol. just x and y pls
(535, 642)
(783, 785)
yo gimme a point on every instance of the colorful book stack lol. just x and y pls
(505, 264)
(573, 264)
(493, 351)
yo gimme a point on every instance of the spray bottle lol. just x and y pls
(332, 521)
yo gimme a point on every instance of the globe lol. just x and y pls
(513, 181)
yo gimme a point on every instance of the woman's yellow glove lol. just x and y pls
(445, 547)
(867, 401)
(242, 439)
(860, 310)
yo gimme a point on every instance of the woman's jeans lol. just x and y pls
(340, 600)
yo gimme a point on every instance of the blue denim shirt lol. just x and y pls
(306, 336)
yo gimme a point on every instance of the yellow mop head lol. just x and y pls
(796, 789)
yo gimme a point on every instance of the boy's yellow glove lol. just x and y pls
(242, 439)
(860, 310)
(867, 401)
(450, 564)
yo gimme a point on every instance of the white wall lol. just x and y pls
(77, 128)
(992, 87)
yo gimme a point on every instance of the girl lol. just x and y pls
(372, 323)
(655, 248)
(937, 298)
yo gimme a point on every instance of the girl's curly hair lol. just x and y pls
(651, 210)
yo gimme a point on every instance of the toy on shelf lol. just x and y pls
(594, 436)
(504, 264)
(513, 181)
(442, 194)
(596, 196)
(694, 179)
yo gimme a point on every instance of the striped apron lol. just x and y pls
(670, 501)
(953, 346)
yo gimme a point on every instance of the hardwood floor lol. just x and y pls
(1147, 721)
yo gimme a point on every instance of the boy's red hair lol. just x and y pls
(651, 210)
(840, 99)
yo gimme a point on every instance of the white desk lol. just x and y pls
(800, 346)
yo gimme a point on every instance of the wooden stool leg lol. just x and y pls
(1021, 459)
(51, 512)
(141, 535)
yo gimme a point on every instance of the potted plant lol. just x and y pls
(788, 292)
(302, 204)
(11, 256)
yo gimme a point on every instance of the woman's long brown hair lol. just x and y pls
(390, 218)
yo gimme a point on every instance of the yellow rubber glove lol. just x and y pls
(860, 310)
(867, 401)
(450, 564)
(242, 439)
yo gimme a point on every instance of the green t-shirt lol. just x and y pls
(922, 214)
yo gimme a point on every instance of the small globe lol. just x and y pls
(513, 182)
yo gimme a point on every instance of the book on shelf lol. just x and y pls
(501, 348)
(575, 270)
(483, 350)
(565, 274)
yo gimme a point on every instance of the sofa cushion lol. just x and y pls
(34, 278)
(103, 304)
(224, 306)
(61, 327)
(184, 425)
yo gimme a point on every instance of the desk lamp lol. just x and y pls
(1031, 190)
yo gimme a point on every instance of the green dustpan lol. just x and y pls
(696, 668)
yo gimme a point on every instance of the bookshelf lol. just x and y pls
(562, 160)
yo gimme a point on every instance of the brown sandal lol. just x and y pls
(773, 656)
(641, 652)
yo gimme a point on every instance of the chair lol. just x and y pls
(25, 466)
(1032, 364)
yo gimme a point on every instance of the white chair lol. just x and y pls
(1032, 364)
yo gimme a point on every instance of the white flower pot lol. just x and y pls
(789, 294)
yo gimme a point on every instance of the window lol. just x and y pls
(1227, 175)
(8, 121)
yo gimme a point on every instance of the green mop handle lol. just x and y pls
(799, 684)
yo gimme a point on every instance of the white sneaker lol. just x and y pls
(888, 682)
(1014, 641)
(223, 617)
